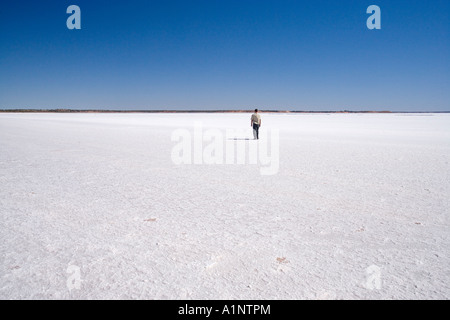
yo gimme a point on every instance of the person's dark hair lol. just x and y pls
(256, 110)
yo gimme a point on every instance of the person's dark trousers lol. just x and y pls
(256, 131)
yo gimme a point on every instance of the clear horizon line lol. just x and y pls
(69, 110)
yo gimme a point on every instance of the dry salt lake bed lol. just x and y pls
(160, 206)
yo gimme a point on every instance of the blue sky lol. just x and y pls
(226, 54)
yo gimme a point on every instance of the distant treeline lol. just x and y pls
(177, 111)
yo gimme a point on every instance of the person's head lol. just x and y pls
(256, 110)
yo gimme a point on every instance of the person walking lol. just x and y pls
(256, 124)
